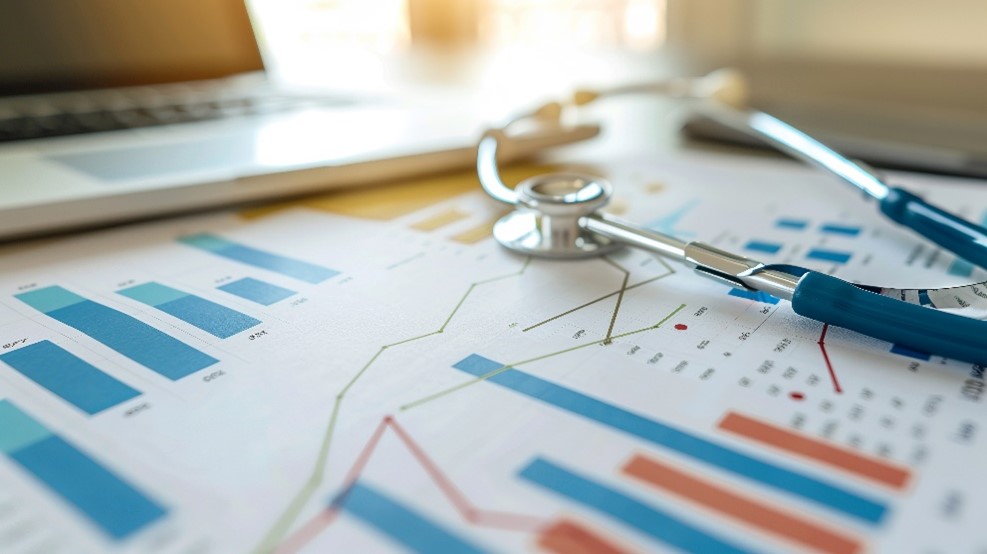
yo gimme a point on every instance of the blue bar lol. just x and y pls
(757, 296)
(213, 318)
(303, 271)
(645, 518)
(905, 351)
(74, 380)
(960, 268)
(257, 291)
(401, 524)
(838, 229)
(108, 501)
(684, 443)
(829, 255)
(794, 224)
(762, 246)
(130, 337)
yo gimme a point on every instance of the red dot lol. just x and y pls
(681, 326)
(796, 396)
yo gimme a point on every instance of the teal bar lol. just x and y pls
(49, 299)
(17, 429)
(153, 294)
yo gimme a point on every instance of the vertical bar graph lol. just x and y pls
(257, 291)
(130, 337)
(660, 434)
(648, 519)
(402, 524)
(713, 496)
(72, 379)
(873, 469)
(296, 269)
(109, 502)
(213, 318)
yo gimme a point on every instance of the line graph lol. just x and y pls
(829, 365)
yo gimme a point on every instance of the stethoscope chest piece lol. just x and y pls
(546, 223)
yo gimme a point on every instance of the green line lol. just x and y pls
(620, 297)
(504, 368)
(281, 526)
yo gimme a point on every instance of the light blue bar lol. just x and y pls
(153, 294)
(17, 429)
(298, 269)
(794, 224)
(840, 229)
(257, 291)
(74, 380)
(648, 519)
(757, 296)
(130, 337)
(687, 444)
(960, 268)
(762, 246)
(829, 255)
(49, 299)
(401, 524)
(215, 319)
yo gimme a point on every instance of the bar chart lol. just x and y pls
(257, 291)
(69, 377)
(213, 318)
(291, 267)
(115, 506)
(126, 335)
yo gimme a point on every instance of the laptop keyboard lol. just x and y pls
(79, 113)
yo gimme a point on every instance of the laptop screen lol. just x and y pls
(57, 45)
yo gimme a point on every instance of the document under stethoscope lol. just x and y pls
(558, 216)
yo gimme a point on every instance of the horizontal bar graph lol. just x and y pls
(666, 436)
(568, 537)
(824, 255)
(781, 522)
(402, 524)
(130, 337)
(72, 379)
(755, 295)
(840, 229)
(648, 519)
(911, 353)
(793, 224)
(109, 502)
(213, 318)
(872, 469)
(763, 246)
(296, 269)
(257, 291)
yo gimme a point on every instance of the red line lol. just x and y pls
(467, 511)
(829, 364)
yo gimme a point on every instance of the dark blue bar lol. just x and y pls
(257, 291)
(960, 268)
(905, 351)
(687, 444)
(829, 255)
(134, 339)
(762, 246)
(645, 518)
(213, 318)
(401, 524)
(838, 229)
(795, 224)
(757, 296)
(73, 379)
(112, 504)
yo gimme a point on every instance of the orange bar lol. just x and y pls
(719, 499)
(566, 537)
(796, 443)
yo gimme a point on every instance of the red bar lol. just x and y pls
(719, 499)
(566, 537)
(823, 452)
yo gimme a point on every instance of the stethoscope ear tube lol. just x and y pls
(837, 302)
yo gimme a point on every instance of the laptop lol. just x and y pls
(115, 110)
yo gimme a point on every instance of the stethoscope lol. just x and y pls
(558, 216)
